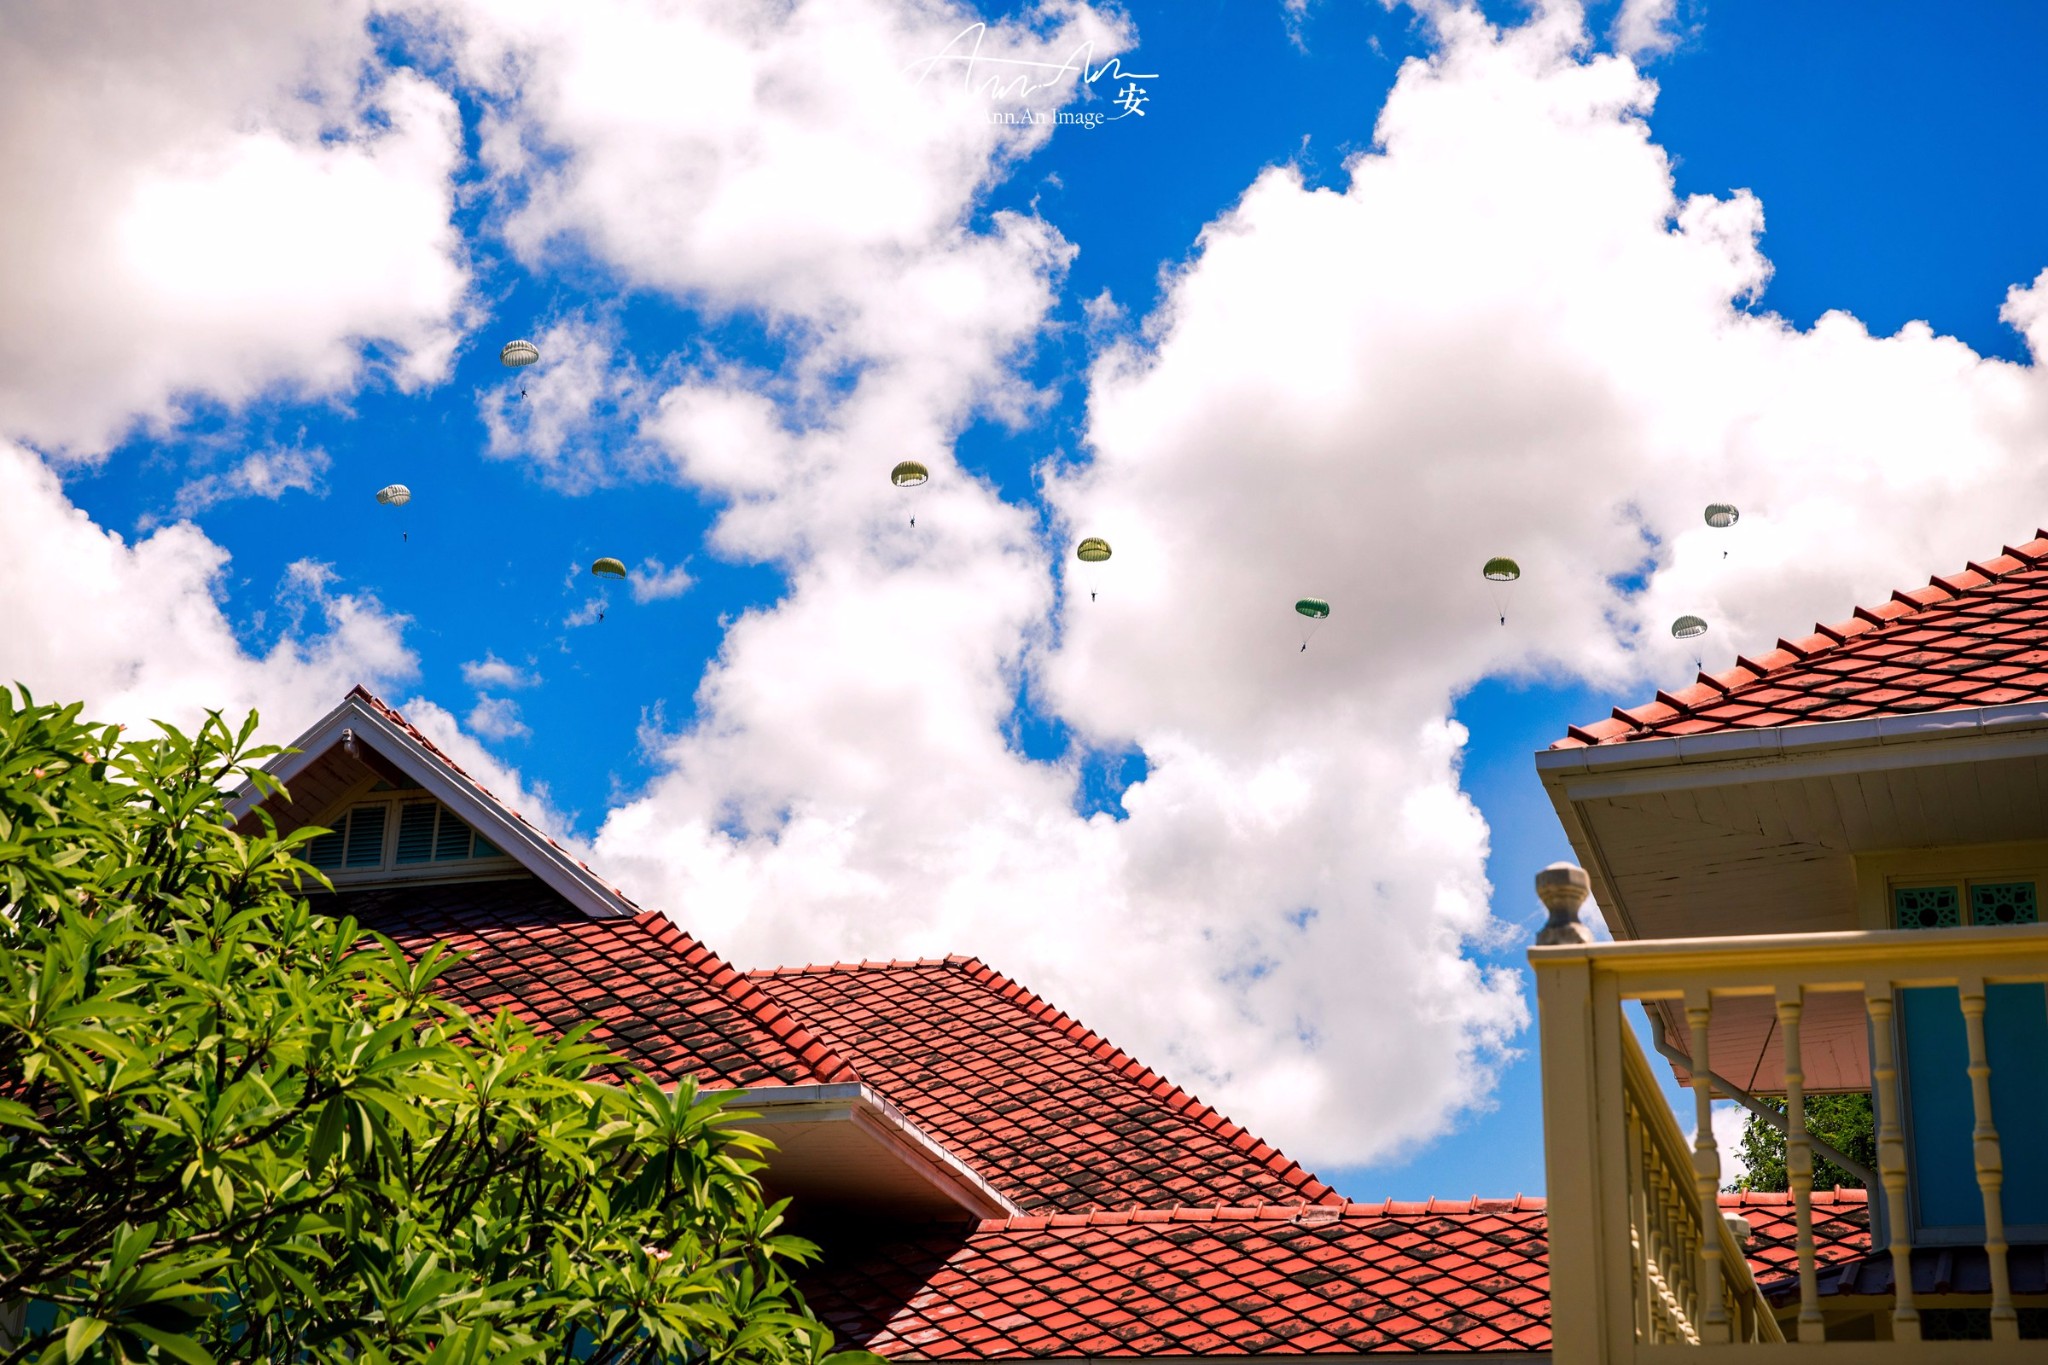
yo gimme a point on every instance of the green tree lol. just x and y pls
(234, 1130)
(1843, 1121)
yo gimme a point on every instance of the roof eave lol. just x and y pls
(857, 1102)
(1575, 777)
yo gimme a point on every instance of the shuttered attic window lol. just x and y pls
(428, 833)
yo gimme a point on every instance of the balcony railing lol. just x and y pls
(1642, 1264)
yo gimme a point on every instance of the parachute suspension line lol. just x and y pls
(1498, 573)
(1317, 611)
(1093, 550)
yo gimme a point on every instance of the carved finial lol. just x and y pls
(1563, 888)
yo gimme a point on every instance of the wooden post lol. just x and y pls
(1706, 1166)
(1799, 1161)
(1891, 1158)
(2005, 1322)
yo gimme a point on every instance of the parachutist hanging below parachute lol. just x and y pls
(607, 568)
(1500, 569)
(518, 355)
(396, 495)
(1093, 550)
(909, 474)
(1721, 516)
(1317, 611)
(1690, 628)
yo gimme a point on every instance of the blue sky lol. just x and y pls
(816, 733)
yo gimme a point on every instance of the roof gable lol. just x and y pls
(1977, 638)
(1052, 1114)
(380, 738)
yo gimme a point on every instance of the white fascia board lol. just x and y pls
(525, 844)
(1821, 749)
(856, 1102)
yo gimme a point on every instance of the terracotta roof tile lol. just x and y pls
(1451, 1276)
(1045, 1110)
(1971, 638)
(1465, 1276)
(1841, 1228)
(668, 1004)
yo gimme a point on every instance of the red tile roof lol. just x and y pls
(1841, 1228)
(664, 1000)
(1048, 1112)
(1968, 639)
(1446, 1276)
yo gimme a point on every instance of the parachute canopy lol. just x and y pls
(517, 353)
(1501, 569)
(1722, 515)
(394, 495)
(909, 474)
(1686, 627)
(1314, 608)
(608, 568)
(1092, 550)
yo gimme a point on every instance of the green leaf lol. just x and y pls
(80, 1335)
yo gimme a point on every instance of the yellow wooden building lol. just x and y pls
(1822, 871)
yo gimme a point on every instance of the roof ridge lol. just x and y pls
(1299, 1212)
(863, 965)
(1735, 1199)
(1176, 1098)
(1865, 624)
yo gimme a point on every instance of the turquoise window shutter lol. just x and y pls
(366, 836)
(416, 832)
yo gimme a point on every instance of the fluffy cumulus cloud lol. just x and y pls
(574, 416)
(138, 631)
(492, 671)
(228, 198)
(268, 473)
(497, 718)
(814, 165)
(1503, 333)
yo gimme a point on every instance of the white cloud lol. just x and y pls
(574, 414)
(691, 148)
(492, 671)
(208, 201)
(139, 631)
(497, 718)
(1505, 335)
(1645, 28)
(653, 581)
(261, 474)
